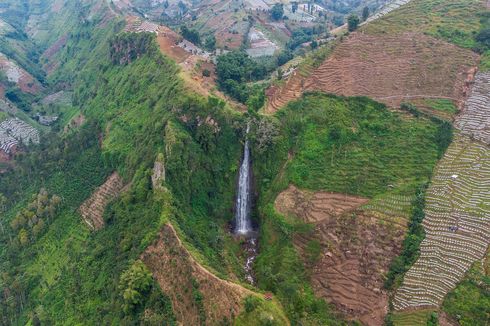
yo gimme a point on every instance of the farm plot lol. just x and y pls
(280, 95)
(457, 225)
(92, 210)
(13, 131)
(137, 25)
(19, 76)
(386, 10)
(393, 69)
(256, 5)
(474, 121)
(260, 45)
(347, 251)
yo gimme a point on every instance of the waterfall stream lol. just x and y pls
(243, 223)
(242, 214)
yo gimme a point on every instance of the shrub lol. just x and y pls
(353, 22)
(134, 284)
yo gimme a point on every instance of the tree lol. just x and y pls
(483, 37)
(294, 7)
(277, 11)
(165, 4)
(210, 43)
(191, 35)
(134, 284)
(365, 13)
(353, 22)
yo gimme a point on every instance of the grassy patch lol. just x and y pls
(456, 21)
(442, 105)
(469, 302)
(412, 318)
(260, 312)
(356, 146)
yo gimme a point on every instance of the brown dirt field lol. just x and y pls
(92, 210)
(315, 206)
(397, 68)
(167, 40)
(355, 251)
(175, 270)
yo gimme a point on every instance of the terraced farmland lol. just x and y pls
(475, 118)
(92, 210)
(387, 9)
(393, 69)
(353, 250)
(13, 131)
(278, 96)
(457, 225)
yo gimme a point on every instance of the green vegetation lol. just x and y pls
(277, 11)
(442, 105)
(353, 22)
(136, 107)
(346, 145)
(424, 317)
(134, 284)
(234, 70)
(469, 302)
(30, 222)
(411, 245)
(192, 36)
(260, 312)
(357, 146)
(456, 21)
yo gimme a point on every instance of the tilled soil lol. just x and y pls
(395, 68)
(356, 250)
(92, 210)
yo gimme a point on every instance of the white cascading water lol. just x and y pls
(242, 215)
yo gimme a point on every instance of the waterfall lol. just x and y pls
(242, 215)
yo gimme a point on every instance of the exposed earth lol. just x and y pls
(346, 252)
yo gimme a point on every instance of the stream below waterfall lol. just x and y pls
(243, 222)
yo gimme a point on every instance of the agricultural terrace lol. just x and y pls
(474, 121)
(457, 225)
(19, 76)
(13, 131)
(456, 21)
(346, 249)
(392, 5)
(395, 68)
(92, 210)
(405, 56)
(457, 222)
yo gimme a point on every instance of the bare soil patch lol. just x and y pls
(356, 249)
(178, 274)
(395, 68)
(92, 210)
(168, 41)
(315, 207)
